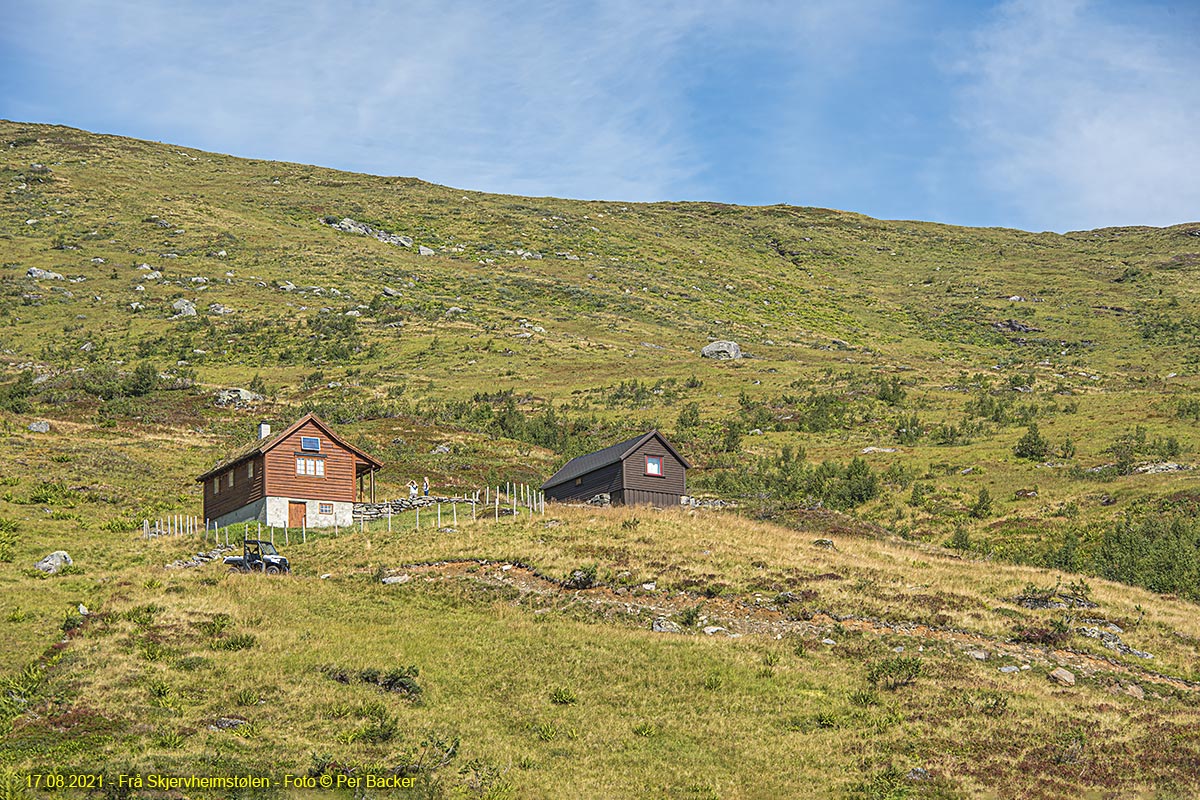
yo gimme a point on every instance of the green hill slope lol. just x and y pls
(989, 395)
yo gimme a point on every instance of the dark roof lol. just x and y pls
(261, 446)
(581, 465)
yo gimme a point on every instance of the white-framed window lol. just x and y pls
(311, 466)
(250, 471)
(217, 485)
(230, 478)
(310, 443)
(325, 508)
(654, 466)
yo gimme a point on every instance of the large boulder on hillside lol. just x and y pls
(721, 350)
(42, 274)
(238, 398)
(52, 563)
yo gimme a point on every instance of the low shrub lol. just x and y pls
(402, 680)
(690, 616)
(239, 641)
(894, 672)
(563, 696)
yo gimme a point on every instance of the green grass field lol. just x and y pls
(536, 329)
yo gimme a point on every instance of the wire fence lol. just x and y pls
(490, 502)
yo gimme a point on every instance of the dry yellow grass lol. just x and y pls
(665, 715)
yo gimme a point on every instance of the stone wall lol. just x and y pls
(371, 511)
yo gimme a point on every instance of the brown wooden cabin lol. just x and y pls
(303, 476)
(643, 470)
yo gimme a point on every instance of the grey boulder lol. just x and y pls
(40, 274)
(721, 350)
(52, 563)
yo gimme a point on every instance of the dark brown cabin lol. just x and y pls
(645, 470)
(303, 476)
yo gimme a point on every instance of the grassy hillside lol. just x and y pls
(969, 414)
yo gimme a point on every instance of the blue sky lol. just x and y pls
(1053, 115)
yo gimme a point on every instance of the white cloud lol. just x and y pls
(534, 97)
(1084, 120)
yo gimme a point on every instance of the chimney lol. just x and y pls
(264, 430)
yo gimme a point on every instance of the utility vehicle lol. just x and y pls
(258, 556)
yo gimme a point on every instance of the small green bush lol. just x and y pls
(142, 616)
(402, 681)
(993, 704)
(983, 504)
(1032, 445)
(645, 729)
(894, 672)
(51, 493)
(563, 696)
(170, 740)
(239, 641)
(215, 626)
(8, 539)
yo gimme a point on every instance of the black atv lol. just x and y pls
(258, 556)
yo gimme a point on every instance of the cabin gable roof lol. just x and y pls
(590, 462)
(264, 446)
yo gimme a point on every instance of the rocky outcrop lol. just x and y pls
(1013, 326)
(54, 562)
(351, 226)
(200, 558)
(721, 350)
(42, 274)
(237, 398)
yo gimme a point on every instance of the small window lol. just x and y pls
(310, 443)
(311, 466)
(217, 485)
(230, 474)
(326, 508)
(250, 471)
(579, 481)
(654, 466)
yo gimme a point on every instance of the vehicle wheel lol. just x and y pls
(272, 570)
(234, 570)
